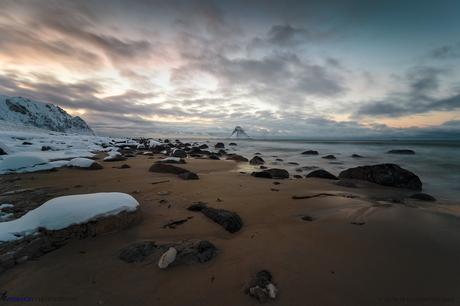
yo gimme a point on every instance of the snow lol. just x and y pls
(173, 159)
(112, 155)
(14, 163)
(80, 162)
(61, 212)
(153, 143)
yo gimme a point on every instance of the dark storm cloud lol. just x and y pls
(423, 84)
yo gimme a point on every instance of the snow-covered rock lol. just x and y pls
(62, 212)
(25, 112)
(18, 162)
(86, 163)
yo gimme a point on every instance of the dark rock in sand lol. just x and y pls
(257, 160)
(402, 151)
(297, 176)
(188, 251)
(219, 145)
(261, 287)
(329, 157)
(95, 166)
(384, 174)
(237, 158)
(273, 173)
(307, 218)
(188, 176)
(310, 152)
(214, 156)
(423, 197)
(167, 168)
(322, 174)
(356, 156)
(229, 220)
(137, 251)
(179, 153)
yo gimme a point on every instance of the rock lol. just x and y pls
(261, 287)
(308, 218)
(167, 258)
(187, 252)
(423, 197)
(179, 153)
(46, 148)
(166, 168)
(232, 144)
(114, 158)
(402, 151)
(263, 167)
(257, 160)
(172, 160)
(26, 143)
(356, 156)
(3, 152)
(125, 166)
(322, 174)
(219, 145)
(330, 156)
(257, 153)
(137, 251)
(188, 176)
(310, 152)
(214, 156)
(95, 166)
(273, 173)
(229, 220)
(297, 176)
(293, 163)
(237, 158)
(203, 146)
(384, 174)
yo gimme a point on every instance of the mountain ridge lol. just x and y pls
(25, 112)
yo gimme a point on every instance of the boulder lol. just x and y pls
(401, 151)
(219, 145)
(214, 156)
(232, 144)
(160, 167)
(229, 220)
(179, 153)
(356, 156)
(137, 251)
(261, 287)
(310, 152)
(257, 160)
(384, 174)
(237, 158)
(423, 197)
(203, 146)
(273, 173)
(330, 156)
(3, 152)
(322, 174)
(188, 176)
(46, 148)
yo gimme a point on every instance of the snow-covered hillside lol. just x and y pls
(22, 112)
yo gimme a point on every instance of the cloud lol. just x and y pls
(451, 51)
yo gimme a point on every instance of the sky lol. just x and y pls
(311, 69)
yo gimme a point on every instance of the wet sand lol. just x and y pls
(403, 254)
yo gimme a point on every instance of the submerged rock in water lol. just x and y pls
(322, 174)
(356, 156)
(229, 220)
(179, 153)
(219, 145)
(330, 156)
(257, 160)
(423, 197)
(402, 151)
(310, 152)
(273, 173)
(384, 174)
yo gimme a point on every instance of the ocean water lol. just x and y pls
(436, 162)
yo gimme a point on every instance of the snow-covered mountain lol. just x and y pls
(23, 112)
(238, 132)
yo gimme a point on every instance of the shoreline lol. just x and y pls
(356, 251)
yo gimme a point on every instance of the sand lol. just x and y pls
(403, 254)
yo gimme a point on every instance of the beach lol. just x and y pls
(368, 245)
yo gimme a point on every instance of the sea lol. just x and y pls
(436, 162)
